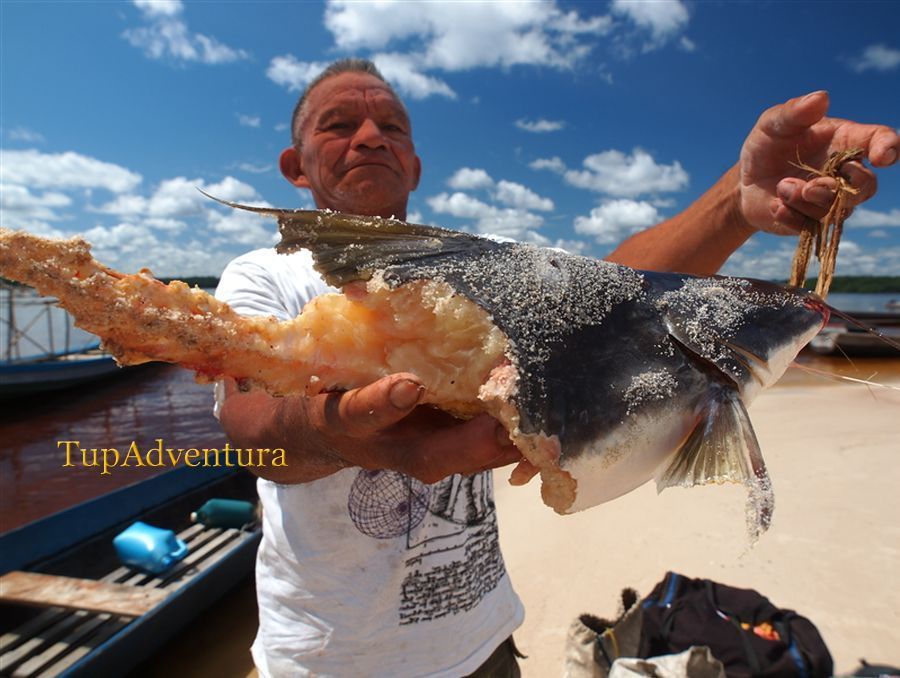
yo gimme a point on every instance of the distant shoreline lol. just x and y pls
(863, 284)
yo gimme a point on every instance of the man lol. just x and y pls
(380, 548)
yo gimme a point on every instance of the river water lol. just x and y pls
(150, 403)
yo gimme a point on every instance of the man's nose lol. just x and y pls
(369, 134)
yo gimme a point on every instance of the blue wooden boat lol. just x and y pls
(55, 371)
(91, 616)
(41, 349)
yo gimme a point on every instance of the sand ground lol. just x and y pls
(832, 553)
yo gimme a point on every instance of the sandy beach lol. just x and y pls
(832, 553)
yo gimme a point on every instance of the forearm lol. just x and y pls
(696, 241)
(257, 420)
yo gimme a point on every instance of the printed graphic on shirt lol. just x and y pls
(451, 535)
(386, 504)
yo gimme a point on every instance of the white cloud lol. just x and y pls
(554, 164)
(246, 228)
(460, 36)
(775, 263)
(179, 198)
(410, 40)
(866, 218)
(130, 247)
(876, 58)
(509, 222)
(286, 70)
(458, 205)
(521, 197)
(249, 120)
(174, 229)
(156, 8)
(26, 135)
(64, 171)
(123, 239)
(405, 74)
(253, 168)
(166, 35)
(467, 178)
(540, 125)
(18, 203)
(615, 173)
(506, 192)
(662, 18)
(615, 220)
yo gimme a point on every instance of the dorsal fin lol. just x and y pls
(349, 247)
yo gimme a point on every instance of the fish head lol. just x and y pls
(747, 330)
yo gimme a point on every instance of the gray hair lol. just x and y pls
(350, 65)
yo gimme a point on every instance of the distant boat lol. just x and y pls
(893, 305)
(840, 337)
(54, 371)
(33, 327)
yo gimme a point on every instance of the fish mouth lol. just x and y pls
(815, 303)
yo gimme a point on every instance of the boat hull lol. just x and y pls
(77, 543)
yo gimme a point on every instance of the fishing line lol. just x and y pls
(823, 373)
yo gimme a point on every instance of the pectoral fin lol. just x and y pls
(723, 448)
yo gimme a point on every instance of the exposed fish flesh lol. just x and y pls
(605, 376)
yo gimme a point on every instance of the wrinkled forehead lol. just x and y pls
(350, 92)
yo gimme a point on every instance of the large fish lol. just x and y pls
(605, 376)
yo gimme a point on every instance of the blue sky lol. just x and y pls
(571, 124)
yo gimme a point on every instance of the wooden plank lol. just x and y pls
(48, 590)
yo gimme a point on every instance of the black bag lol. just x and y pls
(746, 632)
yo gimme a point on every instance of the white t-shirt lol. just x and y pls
(369, 573)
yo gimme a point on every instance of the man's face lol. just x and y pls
(357, 153)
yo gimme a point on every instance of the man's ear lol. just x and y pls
(292, 168)
(417, 174)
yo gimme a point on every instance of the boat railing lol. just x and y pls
(35, 328)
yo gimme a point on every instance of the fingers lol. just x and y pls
(798, 201)
(523, 472)
(365, 411)
(794, 116)
(466, 447)
(884, 146)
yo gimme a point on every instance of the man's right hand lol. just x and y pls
(377, 426)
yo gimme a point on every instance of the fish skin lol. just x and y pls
(628, 375)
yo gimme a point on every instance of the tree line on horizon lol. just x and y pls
(864, 284)
(860, 284)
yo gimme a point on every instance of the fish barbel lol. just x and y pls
(604, 376)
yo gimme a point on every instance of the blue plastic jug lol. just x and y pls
(149, 548)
